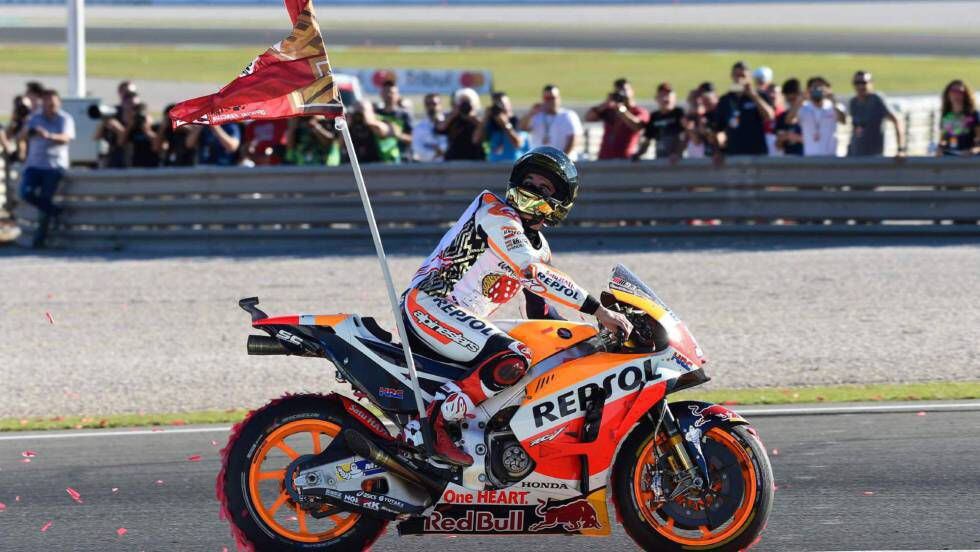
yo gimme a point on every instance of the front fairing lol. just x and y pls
(628, 288)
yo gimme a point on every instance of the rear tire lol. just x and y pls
(656, 530)
(251, 440)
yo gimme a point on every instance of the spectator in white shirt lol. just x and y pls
(552, 125)
(427, 145)
(818, 118)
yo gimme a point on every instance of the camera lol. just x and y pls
(101, 111)
(817, 93)
(465, 108)
(496, 110)
(617, 97)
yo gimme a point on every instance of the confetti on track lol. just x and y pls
(2, 506)
(50, 319)
(194, 458)
(46, 526)
(121, 531)
(74, 495)
(28, 454)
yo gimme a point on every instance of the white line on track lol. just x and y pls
(859, 409)
(100, 433)
(761, 412)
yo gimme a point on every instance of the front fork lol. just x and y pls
(680, 458)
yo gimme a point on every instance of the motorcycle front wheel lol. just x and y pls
(251, 484)
(730, 514)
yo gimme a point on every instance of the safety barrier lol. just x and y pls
(227, 208)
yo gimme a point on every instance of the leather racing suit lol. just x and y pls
(482, 262)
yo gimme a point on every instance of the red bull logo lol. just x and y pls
(714, 410)
(474, 521)
(572, 516)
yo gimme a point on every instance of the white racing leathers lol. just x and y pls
(481, 263)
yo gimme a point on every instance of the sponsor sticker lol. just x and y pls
(571, 516)
(391, 392)
(360, 468)
(475, 521)
(485, 497)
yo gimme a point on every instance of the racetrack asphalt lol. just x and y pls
(903, 27)
(158, 333)
(742, 40)
(844, 482)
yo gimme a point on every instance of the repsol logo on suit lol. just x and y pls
(462, 316)
(617, 384)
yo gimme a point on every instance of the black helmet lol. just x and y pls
(554, 165)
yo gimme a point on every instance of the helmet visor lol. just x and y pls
(532, 203)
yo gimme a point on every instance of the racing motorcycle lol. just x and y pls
(590, 419)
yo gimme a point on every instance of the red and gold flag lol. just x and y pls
(290, 79)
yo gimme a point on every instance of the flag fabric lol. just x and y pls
(290, 79)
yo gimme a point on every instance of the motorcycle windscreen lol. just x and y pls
(622, 279)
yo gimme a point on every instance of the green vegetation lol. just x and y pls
(584, 75)
(765, 395)
(929, 391)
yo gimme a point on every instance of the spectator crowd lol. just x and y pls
(752, 115)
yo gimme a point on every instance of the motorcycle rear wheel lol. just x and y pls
(741, 494)
(251, 487)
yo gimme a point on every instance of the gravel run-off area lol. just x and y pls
(110, 333)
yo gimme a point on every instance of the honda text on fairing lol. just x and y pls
(589, 419)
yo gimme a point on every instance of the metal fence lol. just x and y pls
(230, 208)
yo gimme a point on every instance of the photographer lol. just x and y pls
(622, 122)
(311, 141)
(461, 127)
(140, 134)
(818, 118)
(499, 128)
(112, 132)
(741, 116)
(215, 145)
(48, 133)
(369, 133)
(171, 145)
(789, 135)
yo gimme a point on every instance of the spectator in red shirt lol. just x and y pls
(265, 141)
(622, 119)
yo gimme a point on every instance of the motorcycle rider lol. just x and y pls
(493, 251)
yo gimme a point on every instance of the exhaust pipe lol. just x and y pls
(362, 446)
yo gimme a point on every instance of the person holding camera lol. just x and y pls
(215, 145)
(741, 116)
(461, 128)
(505, 141)
(549, 124)
(429, 146)
(172, 144)
(818, 117)
(622, 122)
(789, 135)
(47, 133)
(373, 138)
(312, 141)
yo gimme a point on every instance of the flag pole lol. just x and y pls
(341, 125)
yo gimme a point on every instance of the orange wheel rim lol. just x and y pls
(266, 475)
(665, 525)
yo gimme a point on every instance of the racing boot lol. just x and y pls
(453, 410)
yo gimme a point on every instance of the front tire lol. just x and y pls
(250, 486)
(731, 516)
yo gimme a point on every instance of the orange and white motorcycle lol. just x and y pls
(591, 418)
